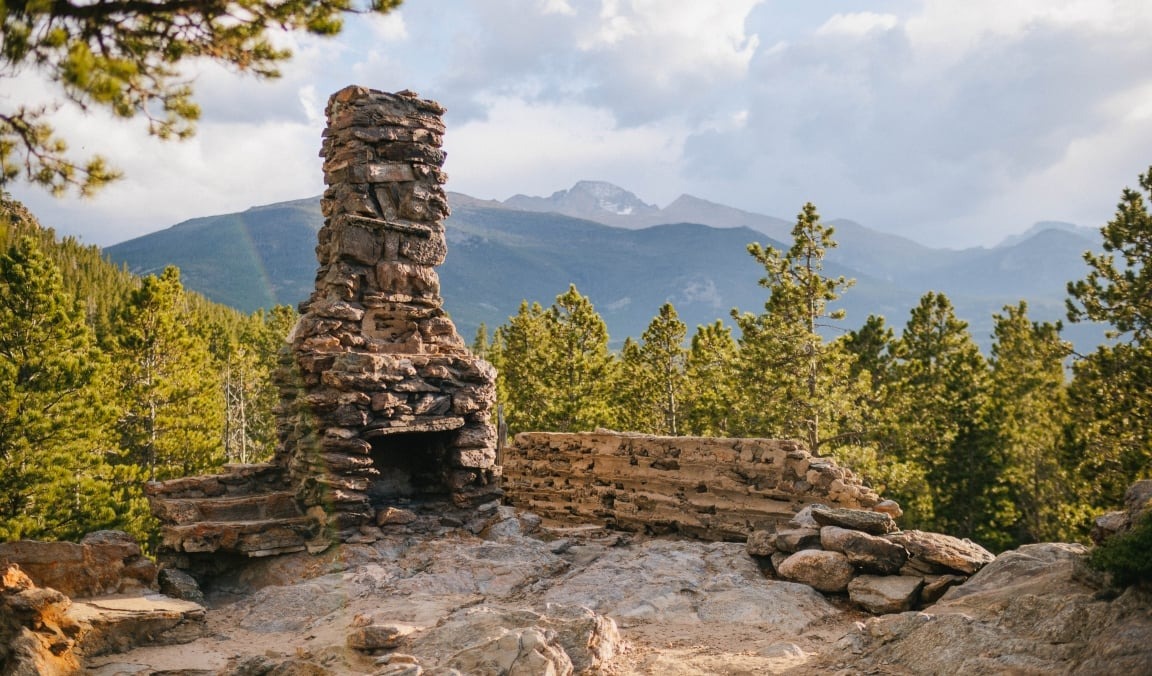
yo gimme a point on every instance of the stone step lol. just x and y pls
(253, 538)
(235, 480)
(260, 507)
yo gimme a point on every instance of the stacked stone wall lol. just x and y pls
(716, 489)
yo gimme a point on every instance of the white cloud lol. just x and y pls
(556, 7)
(539, 148)
(938, 119)
(856, 24)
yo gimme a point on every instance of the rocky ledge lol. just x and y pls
(504, 592)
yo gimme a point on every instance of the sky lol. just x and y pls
(952, 123)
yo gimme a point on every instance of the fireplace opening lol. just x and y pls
(411, 467)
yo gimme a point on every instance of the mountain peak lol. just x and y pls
(593, 200)
(1042, 226)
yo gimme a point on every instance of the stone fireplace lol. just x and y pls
(382, 403)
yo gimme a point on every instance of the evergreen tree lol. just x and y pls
(1110, 392)
(1027, 414)
(520, 351)
(583, 372)
(654, 380)
(711, 374)
(126, 58)
(876, 454)
(871, 349)
(54, 481)
(171, 420)
(250, 396)
(793, 383)
(941, 377)
(555, 371)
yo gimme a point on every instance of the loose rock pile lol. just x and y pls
(864, 554)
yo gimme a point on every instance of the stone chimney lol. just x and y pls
(382, 403)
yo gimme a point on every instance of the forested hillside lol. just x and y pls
(108, 380)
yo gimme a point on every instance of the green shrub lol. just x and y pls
(1128, 556)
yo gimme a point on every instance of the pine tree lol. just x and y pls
(792, 382)
(1027, 413)
(941, 377)
(126, 58)
(54, 481)
(171, 420)
(875, 453)
(655, 381)
(520, 350)
(583, 372)
(556, 373)
(711, 371)
(1110, 393)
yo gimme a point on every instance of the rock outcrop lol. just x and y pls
(1027, 612)
(713, 489)
(44, 632)
(103, 563)
(37, 637)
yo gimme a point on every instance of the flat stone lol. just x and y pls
(962, 556)
(936, 586)
(882, 594)
(874, 523)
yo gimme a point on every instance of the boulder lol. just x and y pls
(377, 636)
(825, 571)
(1020, 565)
(1137, 500)
(1029, 613)
(869, 553)
(180, 585)
(881, 594)
(795, 539)
(761, 543)
(950, 553)
(875, 523)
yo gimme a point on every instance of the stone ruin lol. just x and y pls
(386, 418)
(388, 405)
(382, 405)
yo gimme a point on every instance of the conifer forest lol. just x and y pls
(108, 381)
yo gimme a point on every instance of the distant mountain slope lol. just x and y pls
(498, 256)
(256, 258)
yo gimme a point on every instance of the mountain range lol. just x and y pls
(629, 257)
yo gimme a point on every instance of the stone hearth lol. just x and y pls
(383, 403)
